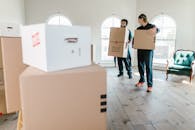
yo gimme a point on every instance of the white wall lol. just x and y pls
(94, 12)
(180, 10)
(12, 11)
(85, 12)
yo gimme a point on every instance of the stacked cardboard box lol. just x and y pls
(11, 67)
(61, 89)
(54, 47)
(2, 101)
(1, 67)
(65, 100)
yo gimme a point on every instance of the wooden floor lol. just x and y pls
(171, 105)
(8, 122)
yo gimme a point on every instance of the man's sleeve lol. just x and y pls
(157, 29)
(130, 36)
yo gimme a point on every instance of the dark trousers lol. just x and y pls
(115, 61)
(127, 62)
(145, 58)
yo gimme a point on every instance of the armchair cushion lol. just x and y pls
(184, 58)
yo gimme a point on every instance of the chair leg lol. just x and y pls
(191, 77)
(167, 76)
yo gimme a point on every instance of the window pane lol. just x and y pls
(165, 39)
(59, 20)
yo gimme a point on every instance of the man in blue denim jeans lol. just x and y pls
(127, 61)
(145, 57)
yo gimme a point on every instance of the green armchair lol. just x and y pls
(183, 63)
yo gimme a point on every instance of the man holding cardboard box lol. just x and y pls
(127, 61)
(144, 41)
(118, 47)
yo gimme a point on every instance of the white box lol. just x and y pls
(10, 30)
(56, 47)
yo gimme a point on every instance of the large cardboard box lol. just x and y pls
(56, 47)
(65, 100)
(11, 67)
(118, 43)
(1, 77)
(2, 101)
(144, 40)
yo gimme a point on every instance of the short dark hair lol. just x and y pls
(144, 17)
(124, 20)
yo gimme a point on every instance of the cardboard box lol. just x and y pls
(118, 43)
(144, 40)
(2, 101)
(92, 53)
(65, 100)
(20, 121)
(12, 66)
(56, 47)
(1, 60)
(1, 76)
(10, 30)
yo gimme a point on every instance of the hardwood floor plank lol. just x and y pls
(171, 105)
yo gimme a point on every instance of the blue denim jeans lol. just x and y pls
(145, 58)
(127, 62)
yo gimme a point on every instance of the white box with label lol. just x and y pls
(10, 30)
(56, 47)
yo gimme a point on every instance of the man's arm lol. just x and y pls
(130, 37)
(154, 30)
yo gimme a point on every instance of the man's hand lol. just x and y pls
(152, 31)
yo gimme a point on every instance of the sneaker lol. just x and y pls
(120, 74)
(139, 84)
(149, 89)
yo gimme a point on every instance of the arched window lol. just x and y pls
(105, 34)
(165, 39)
(59, 20)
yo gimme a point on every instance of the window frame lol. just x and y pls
(106, 37)
(68, 21)
(161, 39)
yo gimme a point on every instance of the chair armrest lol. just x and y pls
(170, 61)
(193, 62)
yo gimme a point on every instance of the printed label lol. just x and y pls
(71, 40)
(36, 39)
